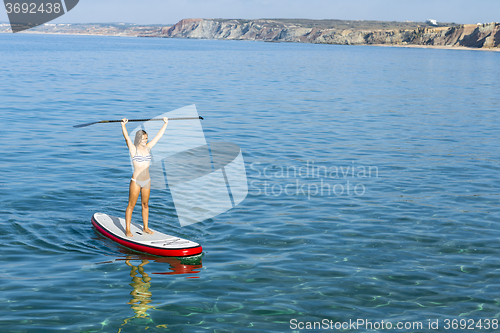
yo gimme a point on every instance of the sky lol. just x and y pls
(172, 11)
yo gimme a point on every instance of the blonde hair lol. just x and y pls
(138, 137)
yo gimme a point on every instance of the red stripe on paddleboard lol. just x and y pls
(148, 249)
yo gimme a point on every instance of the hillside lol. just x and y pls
(340, 32)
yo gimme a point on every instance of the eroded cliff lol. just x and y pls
(474, 36)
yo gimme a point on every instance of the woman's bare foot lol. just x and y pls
(128, 233)
(148, 231)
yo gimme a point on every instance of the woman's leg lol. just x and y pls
(134, 191)
(145, 207)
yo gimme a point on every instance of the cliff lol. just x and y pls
(339, 32)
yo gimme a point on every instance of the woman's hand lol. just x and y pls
(165, 120)
(124, 121)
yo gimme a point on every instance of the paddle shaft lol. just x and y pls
(154, 119)
(141, 120)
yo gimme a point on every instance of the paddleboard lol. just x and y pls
(158, 243)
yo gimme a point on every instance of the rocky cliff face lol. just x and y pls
(475, 36)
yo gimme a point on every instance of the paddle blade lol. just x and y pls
(87, 124)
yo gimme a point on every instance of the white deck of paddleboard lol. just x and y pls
(116, 226)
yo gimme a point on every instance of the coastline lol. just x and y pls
(73, 34)
(437, 47)
(423, 35)
(482, 37)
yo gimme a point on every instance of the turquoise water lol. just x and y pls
(373, 185)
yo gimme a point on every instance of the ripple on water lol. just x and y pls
(418, 243)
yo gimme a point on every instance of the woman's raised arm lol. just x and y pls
(125, 133)
(159, 135)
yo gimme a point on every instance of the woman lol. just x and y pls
(140, 182)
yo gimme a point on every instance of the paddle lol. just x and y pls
(142, 120)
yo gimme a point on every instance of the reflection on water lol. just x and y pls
(141, 296)
(189, 265)
(141, 281)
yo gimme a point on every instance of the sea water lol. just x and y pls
(373, 177)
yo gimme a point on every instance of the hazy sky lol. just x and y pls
(171, 11)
